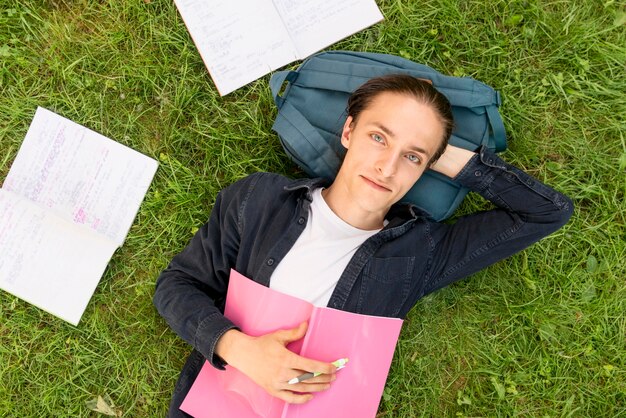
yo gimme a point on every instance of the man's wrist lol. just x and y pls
(226, 347)
(452, 161)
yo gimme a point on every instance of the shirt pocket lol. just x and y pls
(386, 285)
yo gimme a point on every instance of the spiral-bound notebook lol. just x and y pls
(368, 341)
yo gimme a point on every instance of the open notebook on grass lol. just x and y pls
(67, 203)
(367, 341)
(242, 40)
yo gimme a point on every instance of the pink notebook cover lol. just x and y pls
(368, 342)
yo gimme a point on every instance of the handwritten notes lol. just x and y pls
(242, 40)
(81, 175)
(66, 205)
(316, 24)
(47, 261)
(239, 41)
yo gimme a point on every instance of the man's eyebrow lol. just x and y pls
(390, 133)
(420, 150)
(383, 128)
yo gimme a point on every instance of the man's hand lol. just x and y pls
(267, 361)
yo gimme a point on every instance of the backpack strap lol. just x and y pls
(276, 82)
(497, 126)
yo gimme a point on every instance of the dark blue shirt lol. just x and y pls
(255, 222)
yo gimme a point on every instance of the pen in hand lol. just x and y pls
(339, 364)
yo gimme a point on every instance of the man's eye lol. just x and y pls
(377, 138)
(414, 158)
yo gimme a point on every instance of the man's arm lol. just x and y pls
(526, 211)
(190, 295)
(191, 291)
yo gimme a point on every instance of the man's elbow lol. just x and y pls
(161, 291)
(561, 214)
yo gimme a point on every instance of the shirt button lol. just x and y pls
(270, 261)
(300, 221)
(478, 173)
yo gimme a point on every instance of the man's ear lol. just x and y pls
(346, 132)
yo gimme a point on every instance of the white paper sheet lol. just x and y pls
(66, 205)
(81, 175)
(47, 261)
(239, 40)
(315, 24)
(242, 40)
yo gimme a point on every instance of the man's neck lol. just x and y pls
(350, 213)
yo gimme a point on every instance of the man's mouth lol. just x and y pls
(375, 184)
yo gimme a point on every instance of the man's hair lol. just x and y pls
(420, 90)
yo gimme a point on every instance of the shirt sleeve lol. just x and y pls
(190, 293)
(527, 210)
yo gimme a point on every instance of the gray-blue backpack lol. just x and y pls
(312, 110)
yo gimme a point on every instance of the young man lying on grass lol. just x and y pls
(349, 244)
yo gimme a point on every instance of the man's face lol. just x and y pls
(389, 147)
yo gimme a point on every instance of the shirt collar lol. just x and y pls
(308, 184)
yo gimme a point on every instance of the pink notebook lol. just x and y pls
(368, 341)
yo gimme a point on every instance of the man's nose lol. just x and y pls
(387, 164)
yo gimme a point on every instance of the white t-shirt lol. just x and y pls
(313, 266)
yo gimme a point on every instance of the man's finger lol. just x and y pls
(291, 397)
(322, 378)
(313, 366)
(304, 387)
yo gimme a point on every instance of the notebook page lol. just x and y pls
(238, 40)
(82, 176)
(316, 24)
(47, 261)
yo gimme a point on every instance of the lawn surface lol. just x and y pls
(540, 334)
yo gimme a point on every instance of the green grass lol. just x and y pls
(540, 334)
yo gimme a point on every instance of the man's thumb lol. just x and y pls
(293, 334)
